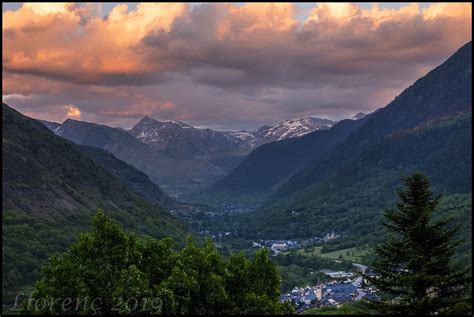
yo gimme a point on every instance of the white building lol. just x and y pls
(279, 246)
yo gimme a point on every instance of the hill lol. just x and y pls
(352, 199)
(50, 189)
(426, 128)
(445, 90)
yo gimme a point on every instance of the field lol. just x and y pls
(354, 254)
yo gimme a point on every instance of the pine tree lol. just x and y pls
(413, 267)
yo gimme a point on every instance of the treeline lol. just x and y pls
(109, 270)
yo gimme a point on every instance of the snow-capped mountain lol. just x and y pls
(181, 139)
(157, 133)
(296, 128)
(284, 130)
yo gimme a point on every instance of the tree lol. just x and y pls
(413, 267)
(111, 271)
(94, 275)
(197, 281)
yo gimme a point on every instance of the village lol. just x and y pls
(345, 287)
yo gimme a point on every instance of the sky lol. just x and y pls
(226, 66)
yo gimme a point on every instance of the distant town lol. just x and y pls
(274, 245)
(345, 287)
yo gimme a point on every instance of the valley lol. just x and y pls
(179, 158)
(262, 159)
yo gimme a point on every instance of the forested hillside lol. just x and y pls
(350, 201)
(50, 189)
(445, 90)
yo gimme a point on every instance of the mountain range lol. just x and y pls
(170, 172)
(177, 156)
(343, 178)
(285, 130)
(178, 137)
(270, 165)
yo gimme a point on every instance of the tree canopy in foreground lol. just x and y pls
(111, 271)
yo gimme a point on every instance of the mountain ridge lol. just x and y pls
(447, 84)
(290, 128)
(176, 156)
(166, 171)
(269, 165)
(427, 128)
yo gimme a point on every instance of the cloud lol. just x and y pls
(73, 111)
(220, 63)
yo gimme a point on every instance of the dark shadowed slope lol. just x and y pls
(269, 165)
(136, 180)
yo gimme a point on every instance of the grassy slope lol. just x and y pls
(356, 254)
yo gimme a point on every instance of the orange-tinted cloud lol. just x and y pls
(73, 111)
(138, 62)
(69, 42)
(64, 41)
